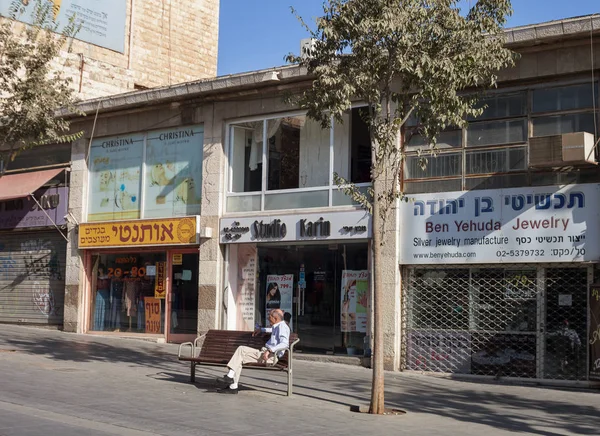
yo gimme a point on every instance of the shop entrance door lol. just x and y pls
(182, 301)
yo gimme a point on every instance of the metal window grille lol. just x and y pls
(514, 321)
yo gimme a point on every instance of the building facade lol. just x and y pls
(34, 196)
(127, 45)
(490, 270)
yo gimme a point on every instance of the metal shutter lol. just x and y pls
(32, 277)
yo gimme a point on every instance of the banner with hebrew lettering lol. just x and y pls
(142, 233)
(537, 224)
(101, 23)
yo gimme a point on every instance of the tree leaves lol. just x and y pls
(32, 88)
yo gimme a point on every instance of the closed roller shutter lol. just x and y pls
(32, 277)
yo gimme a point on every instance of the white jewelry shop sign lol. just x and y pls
(541, 224)
(299, 227)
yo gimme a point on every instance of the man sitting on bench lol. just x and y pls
(274, 348)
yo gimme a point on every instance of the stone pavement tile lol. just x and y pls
(140, 386)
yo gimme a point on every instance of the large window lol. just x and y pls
(288, 162)
(491, 153)
(158, 174)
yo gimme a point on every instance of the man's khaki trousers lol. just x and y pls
(243, 355)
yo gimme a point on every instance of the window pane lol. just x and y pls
(447, 139)
(558, 124)
(496, 182)
(339, 198)
(115, 178)
(297, 200)
(446, 185)
(40, 156)
(496, 161)
(563, 98)
(442, 165)
(503, 106)
(298, 153)
(246, 156)
(173, 172)
(247, 203)
(352, 148)
(496, 132)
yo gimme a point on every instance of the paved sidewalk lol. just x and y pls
(55, 383)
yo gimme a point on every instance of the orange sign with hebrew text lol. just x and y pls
(140, 233)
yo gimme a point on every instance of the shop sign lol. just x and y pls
(177, 259)
(26, 213)
(143, 233)
(594, 340)
(160, 285)
(152, 308)
(298, 227)
(541, 224)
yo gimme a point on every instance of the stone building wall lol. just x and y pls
(166, 42)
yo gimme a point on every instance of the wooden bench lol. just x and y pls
(219, 345)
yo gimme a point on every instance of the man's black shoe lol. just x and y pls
(227, 391)
(225, 380)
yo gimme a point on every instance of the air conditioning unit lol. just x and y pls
(568, 149)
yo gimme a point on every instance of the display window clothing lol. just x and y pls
(102, 300)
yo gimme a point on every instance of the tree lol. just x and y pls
(403, 59)
(32, 88)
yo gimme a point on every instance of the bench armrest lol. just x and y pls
(196, 341)
(186, 344)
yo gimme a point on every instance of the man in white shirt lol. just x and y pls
(275, 347)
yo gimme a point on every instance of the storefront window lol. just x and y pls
(128, 292)
(325, 288)
(168, 183)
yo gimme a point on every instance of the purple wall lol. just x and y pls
(25, 213)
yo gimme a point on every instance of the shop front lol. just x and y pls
(315, 267)
(32, 247)
(496, 283)
(142, 277)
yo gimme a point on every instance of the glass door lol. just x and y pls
(182, 314)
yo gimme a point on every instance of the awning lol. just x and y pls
(21, 185)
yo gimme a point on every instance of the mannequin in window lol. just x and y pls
(130, 297)
(116, 303)
(102, 299)
(146, 290)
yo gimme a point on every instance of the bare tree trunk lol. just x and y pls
(377, 387)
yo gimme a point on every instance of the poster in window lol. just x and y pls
(115, 178)
(173, 172)
(354, 295)
(279, 293)
(594, 341)
(246, 285)
(442, 351)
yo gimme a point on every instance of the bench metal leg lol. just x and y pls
(193, 372)
(289, 392)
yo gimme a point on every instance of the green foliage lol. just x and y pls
(403, 59)
(31, 86)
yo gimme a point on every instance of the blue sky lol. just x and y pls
(257, 34)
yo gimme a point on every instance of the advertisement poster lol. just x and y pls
(173, 172)
(439, 351)
(152, 309)
(246, 286)
(355, 294)
(594, 341)
(115, 178)
(102, 22)
(279, 294)
(160, 287)
(537, 224)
